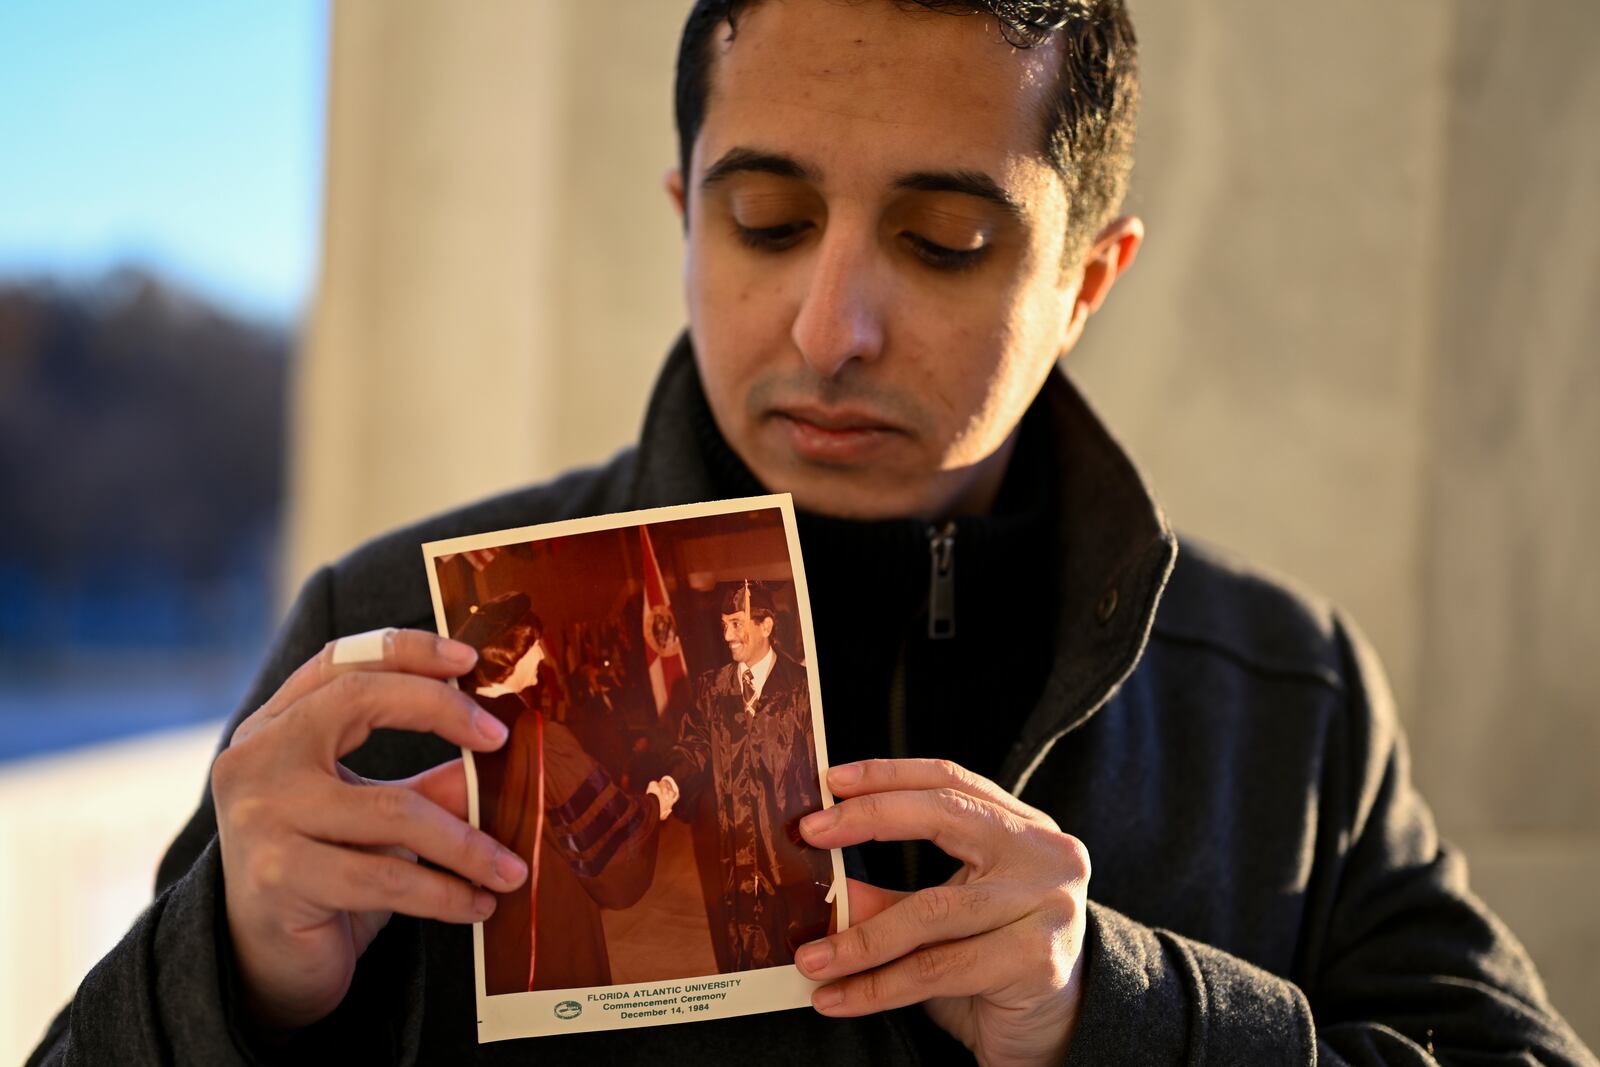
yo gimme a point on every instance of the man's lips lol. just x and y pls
(835, 420)
(825, 435)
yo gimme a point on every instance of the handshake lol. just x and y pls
(665, 790)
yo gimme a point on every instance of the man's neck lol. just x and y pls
(759, 664)
(979, 495)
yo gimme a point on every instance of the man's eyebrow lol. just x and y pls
(967, 182)
(754, 161)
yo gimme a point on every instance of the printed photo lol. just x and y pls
(655, 673)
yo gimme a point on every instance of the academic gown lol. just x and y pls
(597, 849)
(761, 769)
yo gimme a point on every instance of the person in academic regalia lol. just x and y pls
(588, 844)
(748, 740)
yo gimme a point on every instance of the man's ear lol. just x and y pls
(766, 627)
(672, 181)
(1114, 249)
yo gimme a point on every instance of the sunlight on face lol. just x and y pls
(873, 265)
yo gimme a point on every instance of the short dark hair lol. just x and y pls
(1089, 121)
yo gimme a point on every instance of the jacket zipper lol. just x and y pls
(942, 582)
(941, 626)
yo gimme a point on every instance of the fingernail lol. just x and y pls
(845, 774)
(819, 821)
(457, 654)
(483, 903)
(830, 997)
(510, 868)
(815, 956)
(491, 728)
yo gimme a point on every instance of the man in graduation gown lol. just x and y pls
(748, 739)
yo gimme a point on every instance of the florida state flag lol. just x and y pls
(663, 651)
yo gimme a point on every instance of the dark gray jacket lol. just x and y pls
(1267, 887)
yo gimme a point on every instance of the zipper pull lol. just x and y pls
(942, 582)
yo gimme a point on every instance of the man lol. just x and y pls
(897, 220)
(749, 740)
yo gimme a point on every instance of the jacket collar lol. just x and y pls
(1116, 546)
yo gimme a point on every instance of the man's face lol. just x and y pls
(874, 261)
(748, 639)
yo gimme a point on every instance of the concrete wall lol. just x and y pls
(1354, 348)
(499, 268)
(1510, 723)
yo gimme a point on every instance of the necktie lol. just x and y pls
(747, 688)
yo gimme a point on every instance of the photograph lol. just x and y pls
(655, 673)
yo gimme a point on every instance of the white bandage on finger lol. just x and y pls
(369, 647)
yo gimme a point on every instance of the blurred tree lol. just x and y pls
(141, 440)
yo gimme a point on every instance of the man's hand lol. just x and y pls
(315, 858)
(996, 952)
(666, 793)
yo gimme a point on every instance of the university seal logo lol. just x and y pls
(568, 1009)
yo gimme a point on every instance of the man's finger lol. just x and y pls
(376, 816)
(891, 775)
(975, 966)
(926, 917)
(337, 718)
(962, 825)
(869, 900)
(953, 969)
(351, 880)
(408, 651)
(445, 785)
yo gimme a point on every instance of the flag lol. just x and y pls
(663, 652)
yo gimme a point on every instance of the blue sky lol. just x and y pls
(183, 135)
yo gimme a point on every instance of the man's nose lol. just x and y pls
(839, 318)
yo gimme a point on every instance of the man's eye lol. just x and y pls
(772, 238)
(941, 258)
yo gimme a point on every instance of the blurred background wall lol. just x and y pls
(500, 267)
(1357, 347)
